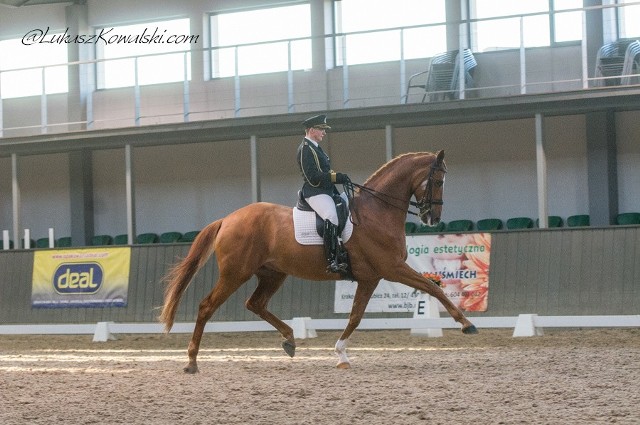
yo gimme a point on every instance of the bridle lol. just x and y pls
(424, 205)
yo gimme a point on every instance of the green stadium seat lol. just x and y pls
(64, 242)
(552, 221)
(628, 218)
(42, 243)
(32, 243)
(146, 238)
(170, 237)
(488, 224)
(580, 220)
(189, 236)
(121, 239)
(519, 223)
(409, 227)
(99, 240)
(2, 244)
(423, 228)
(460, 226)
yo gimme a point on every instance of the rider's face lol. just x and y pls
(316, 134)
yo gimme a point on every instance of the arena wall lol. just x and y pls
(564, 272)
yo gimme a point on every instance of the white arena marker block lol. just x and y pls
(426, 308)
(52, 239)
(525, 326)
(103, 333)
(301, 329)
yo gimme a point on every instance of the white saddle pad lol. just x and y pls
(304, 224)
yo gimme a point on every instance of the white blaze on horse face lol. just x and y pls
(426, 220)
(440, 197)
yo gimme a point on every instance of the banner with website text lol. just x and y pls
(92, 277)
(462, 261)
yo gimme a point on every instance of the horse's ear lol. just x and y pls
(440, 156)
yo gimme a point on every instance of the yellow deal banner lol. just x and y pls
(90, 277)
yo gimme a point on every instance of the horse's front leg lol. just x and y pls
(403, 273)
(364, 291)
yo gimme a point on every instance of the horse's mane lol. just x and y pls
(398, 158)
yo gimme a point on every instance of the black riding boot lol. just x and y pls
(331, 246)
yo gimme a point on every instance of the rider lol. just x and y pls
(319, 186)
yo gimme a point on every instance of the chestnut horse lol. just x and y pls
(268, 249)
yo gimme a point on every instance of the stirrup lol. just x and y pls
(335, 267)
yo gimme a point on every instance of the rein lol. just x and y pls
(381, 197)
(424, 205)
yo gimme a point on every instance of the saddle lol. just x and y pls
(342, 208)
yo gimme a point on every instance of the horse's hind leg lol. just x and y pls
(223, 289)
(269, 282)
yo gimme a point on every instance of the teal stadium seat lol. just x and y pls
(409, 227)
(423, 228)
(552, 221)
(580, 220)
(628, 218)
(460, 226)
(146, 238)
(519, 223)
(170, 237)
(488, 224)
(2, 244)
(99, 240)
(189, 236)
(32, 243)
(64, 242)
(121, 239)
(42, 243)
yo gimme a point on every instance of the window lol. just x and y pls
(504, 33)
(628, 18)
(160, 38)
(259, 26)
(379, 46)
(567, 26)
(15, 54)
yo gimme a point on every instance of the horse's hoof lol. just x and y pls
(289, 348)
(470, 330)
(343, 365)
(190, 369)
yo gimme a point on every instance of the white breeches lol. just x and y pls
(324, 206)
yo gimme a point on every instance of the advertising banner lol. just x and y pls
(92, 277)
(461, 260)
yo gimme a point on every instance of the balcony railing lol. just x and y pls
(200, 95)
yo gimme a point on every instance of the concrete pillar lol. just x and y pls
(81, 196)
(602, 170)
(595, 34)
(80, 76)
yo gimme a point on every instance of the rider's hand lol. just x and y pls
(342, 178)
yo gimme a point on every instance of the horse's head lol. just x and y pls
(429, 192)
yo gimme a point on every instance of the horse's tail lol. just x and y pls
(180, 275)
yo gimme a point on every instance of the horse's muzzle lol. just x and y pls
(429, 220)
